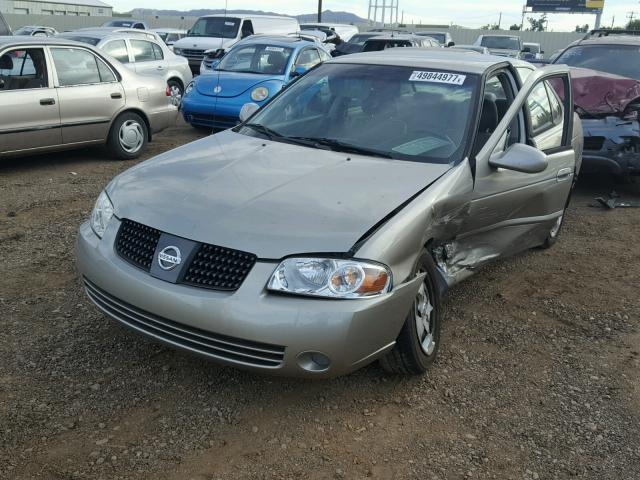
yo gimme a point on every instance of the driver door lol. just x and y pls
(514, 210)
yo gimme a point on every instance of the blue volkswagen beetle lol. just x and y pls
(251, 72)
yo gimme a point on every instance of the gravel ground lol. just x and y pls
(538, 376)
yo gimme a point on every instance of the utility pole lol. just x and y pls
(499, 20)
(524, 12)
(319, 11)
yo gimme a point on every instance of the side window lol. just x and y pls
(540, 110)
(157, 52)
(142, 51)
(79, 67)
(118, 50)
(498, 96)
(557, 111)
(308, 58)
(247, 28)
(23, 69)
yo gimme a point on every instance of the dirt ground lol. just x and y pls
(538, 376)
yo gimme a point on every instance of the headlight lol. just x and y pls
(177, 51)
(101, 214)
(259, 94)
(187, 90)
(331, 278)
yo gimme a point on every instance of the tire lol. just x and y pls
(177, 91)
(414, 352)
(128, 136)
(554, 233)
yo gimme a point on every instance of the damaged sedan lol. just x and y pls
(606, 88)
(322, 233)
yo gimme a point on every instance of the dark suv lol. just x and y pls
(4, 26)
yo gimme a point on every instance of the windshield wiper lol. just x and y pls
(266, 131)
(339, 146)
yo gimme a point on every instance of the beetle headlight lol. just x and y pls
(331, 278)
(189, 88)
(177, 51)
(259, 94)
(101, 214)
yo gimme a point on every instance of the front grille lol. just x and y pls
(220, 347)
(593, 143)
(219, 120)
(219, 268)
(137, 243)
(188, 52)
(212, 267)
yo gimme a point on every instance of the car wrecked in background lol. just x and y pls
(606, 93)
(253, 71)
(322, 233)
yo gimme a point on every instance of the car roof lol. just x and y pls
(611, 40)
(505, 36)
(20, 40)
(242, 15)
(168, 30)
(437, 58)
(530, 43)
(398, 36)
(278, 40)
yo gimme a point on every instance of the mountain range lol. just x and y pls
(327, 16)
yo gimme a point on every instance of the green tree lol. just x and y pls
(633, 25)
(489, 26)
(582, 28)
(515, 26)
(537, 24)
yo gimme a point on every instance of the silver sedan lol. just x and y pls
(58, 94)
(323, 232)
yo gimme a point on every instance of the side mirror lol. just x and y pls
(451, 44)
(541, 52)
(298, 72)
(247, 111)
(520, 158)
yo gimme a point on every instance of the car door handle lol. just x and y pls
(564, 174)
(47, 101)
(160, 67)
(116, 95)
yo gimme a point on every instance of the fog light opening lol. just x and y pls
(314, 361)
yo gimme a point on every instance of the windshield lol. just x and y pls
(605, 58)
(533, 47)
(78, 38)
(120, 23)
(440, 37)
(384, 111)
(218, 27)
(262, 59)
(23, 31)
(504, 43)
(360, 38)
(377, 45)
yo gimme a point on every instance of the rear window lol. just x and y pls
(83, 39)
(377, 45)
(503, 43)
(605, 58)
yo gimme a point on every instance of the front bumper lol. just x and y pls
(206, 112)
(249, 328)
(611, 145)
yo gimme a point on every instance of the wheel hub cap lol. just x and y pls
(556, 227)
(176, 95)
(131, 136)
(424, 320)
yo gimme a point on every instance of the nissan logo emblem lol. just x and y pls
(169, 258)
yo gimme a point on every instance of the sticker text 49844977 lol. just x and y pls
(438, 77)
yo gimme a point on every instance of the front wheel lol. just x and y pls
(128, 136)
(176, 91)
(417, 344)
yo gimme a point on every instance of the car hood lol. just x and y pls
(502, 52)
(232, 84)
(268, 198)
(204, 43)
(598, 94)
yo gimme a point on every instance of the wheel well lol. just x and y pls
(176, 79)
(137, 112)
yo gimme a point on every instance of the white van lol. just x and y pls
(345, 32)
(220, 32)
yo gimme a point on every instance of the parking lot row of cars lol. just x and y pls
(321, 228)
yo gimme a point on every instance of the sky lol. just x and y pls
(469, 13)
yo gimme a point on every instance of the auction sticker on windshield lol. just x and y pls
(438, 77)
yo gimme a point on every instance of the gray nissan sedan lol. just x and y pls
(322, 233)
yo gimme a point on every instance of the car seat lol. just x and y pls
(488, 122)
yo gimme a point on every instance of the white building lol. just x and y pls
(78, 8)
